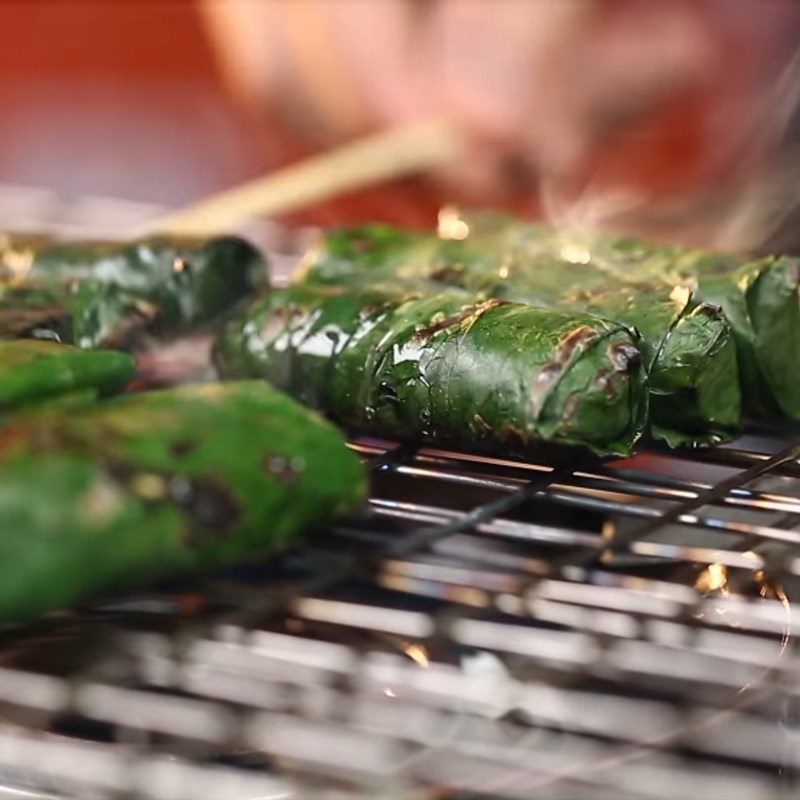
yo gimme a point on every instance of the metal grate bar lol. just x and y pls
(550, 664)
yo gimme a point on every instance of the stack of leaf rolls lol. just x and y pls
(492, 334)
(102, 491)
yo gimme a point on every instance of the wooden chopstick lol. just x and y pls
(375, 158)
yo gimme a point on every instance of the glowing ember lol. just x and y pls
(713, 579)
(16, 264)
(575, 254)
(450, 225)
(416, 652)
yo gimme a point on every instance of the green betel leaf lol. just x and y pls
(145, 485)
(448, 367)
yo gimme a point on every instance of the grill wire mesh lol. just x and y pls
(540, 628)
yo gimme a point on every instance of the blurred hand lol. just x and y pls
(537, 85)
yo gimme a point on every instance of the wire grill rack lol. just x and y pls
(484, 627)
(540, 628)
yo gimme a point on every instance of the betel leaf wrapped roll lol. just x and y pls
(758, 296)
(109, 293)
(445, 368)
(150, 484)
(687, 344)
(33, 372)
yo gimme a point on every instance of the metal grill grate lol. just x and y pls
(492, 627)
(484, 628)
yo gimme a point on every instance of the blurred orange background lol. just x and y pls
(121, 98)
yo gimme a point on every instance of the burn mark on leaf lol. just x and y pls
(207, 504)
(580, 337)
(480, 425)
(470, 313)
(513, 433)
(547, 376)
(624, 356)
(371, 309)
(182, 448)
(570, 408)
(281, 469)
(711, 311)
(604, 381)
